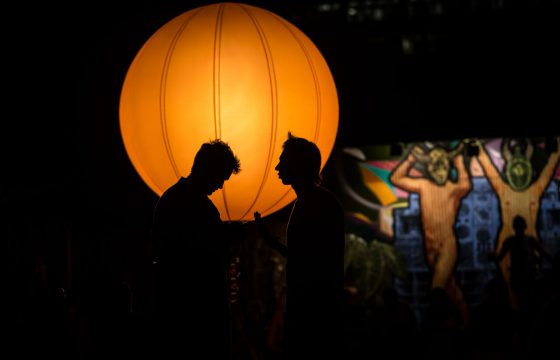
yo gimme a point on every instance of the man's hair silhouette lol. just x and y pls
(305, 157)
(218, 155)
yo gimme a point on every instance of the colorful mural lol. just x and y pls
(446, 207)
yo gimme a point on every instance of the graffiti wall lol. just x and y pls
(444, 210)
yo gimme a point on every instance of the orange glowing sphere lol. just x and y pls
(233, 72)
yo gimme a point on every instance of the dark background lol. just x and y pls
(473, 69)
(476, 68)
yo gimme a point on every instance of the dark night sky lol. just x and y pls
(474, 72)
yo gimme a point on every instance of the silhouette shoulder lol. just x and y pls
(330, 198)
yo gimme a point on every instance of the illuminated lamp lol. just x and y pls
(232, 72)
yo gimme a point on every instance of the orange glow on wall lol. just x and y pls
(234, 72)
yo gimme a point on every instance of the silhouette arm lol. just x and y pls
(504, 250)
(399, 177)
(231, 236)
(548, 170)
(269, 239)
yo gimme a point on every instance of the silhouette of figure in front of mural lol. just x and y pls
(192, 256)
(314, 256)
(440, 199)
(517, 193)
(525, 253)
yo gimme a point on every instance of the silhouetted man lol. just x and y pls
(314, 255)
(192, 255)
(525, 253)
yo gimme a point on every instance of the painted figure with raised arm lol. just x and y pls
(440, 198)
(519, 191)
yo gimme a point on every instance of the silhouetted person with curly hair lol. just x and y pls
(191, 256)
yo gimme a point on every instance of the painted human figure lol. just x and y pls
(518, 193)
(440, 198)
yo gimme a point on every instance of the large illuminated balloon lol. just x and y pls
(234, 72)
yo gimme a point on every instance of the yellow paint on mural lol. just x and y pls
(381, 190)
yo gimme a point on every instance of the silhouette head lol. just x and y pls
(300, 162)
(213, 165)
(519, 224)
